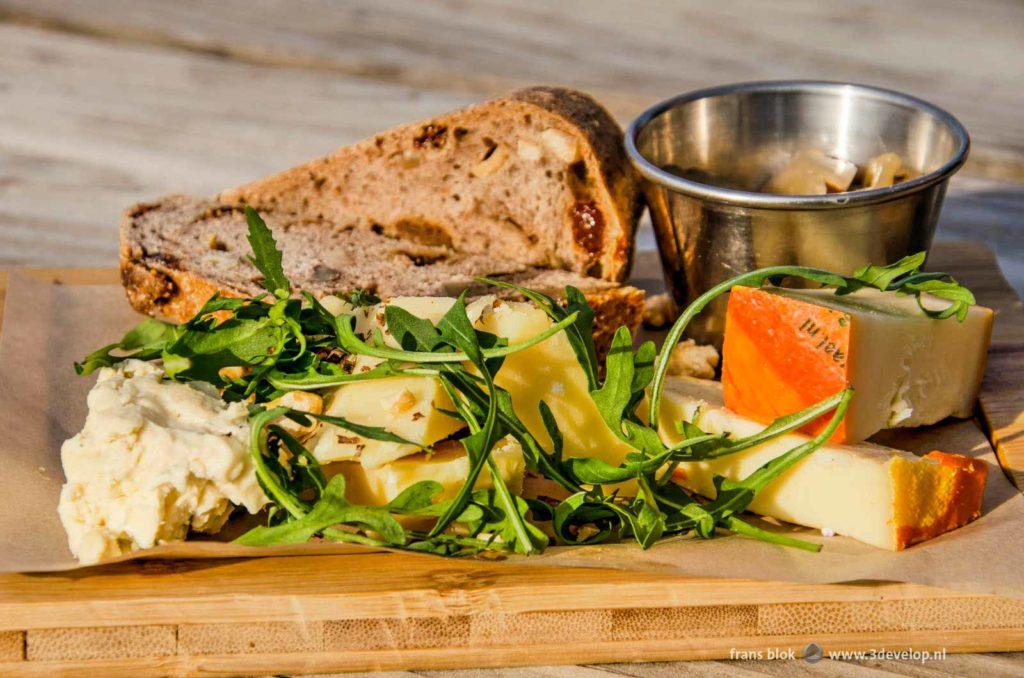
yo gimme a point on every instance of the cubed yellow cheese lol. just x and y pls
(881, 496)
(406, 406)
(449, 466)
(548, 371)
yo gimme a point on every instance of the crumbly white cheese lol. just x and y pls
(154, 459)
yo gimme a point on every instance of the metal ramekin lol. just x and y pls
(739, 135)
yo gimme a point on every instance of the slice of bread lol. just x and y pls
(533, 188)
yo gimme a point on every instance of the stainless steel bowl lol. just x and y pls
(703, 156)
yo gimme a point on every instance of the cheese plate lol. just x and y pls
(393, 611)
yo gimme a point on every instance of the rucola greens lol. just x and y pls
(285, 343)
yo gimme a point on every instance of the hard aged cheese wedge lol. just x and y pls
(881, 496)
(448, 465)
(547, 371)
(785, 350)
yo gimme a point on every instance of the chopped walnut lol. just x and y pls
(690, 360)
(403, 402)
(563, 146)
(232, 372)
(528, 151)
(491, 163)
(304, 402)
(659, 310)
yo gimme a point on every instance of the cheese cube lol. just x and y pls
(547, 371)
(881, 496)
(405, 406)
(786, 349)
(449, 466)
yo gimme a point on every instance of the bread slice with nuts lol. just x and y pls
(533, 188)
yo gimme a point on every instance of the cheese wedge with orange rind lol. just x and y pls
(878, 495)
(786, 349)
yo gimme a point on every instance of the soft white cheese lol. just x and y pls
(154, 459)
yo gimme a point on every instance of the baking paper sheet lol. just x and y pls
(42, 403)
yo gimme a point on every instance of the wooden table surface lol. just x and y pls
(107, 102)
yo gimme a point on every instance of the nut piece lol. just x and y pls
(302, 401)
(882, 169)
(813, 173)
(492, 163)
(232, 372)
(403, 402)
(336, 305)
(528, 151)
(659, 310)
(561, 144)
(690, 360)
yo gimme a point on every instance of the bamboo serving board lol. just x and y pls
(403, 611)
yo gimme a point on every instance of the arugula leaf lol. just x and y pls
(350, 341)
(416, 497)
(615, 395)
(595, 471)
(582, 510)
(961, 297)
(881, 277)
(273, 484)
(360, 297)
(586, 519)
(738, 526)
(626, 376)
(200, 354)
(371, 432)
(145, 341)
(313, 380)
(649, 524)
(330, 510)
(456, 329)
(734, 496)
(266, 257)
(511, 525)
(411, 333)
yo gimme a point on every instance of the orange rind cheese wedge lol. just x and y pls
(785, 350)
(881, 496)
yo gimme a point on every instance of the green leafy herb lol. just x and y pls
(359, 298)
(371, 432)
(145, 341)
(266, 257)
(331, 510)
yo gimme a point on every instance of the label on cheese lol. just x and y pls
(881, 496)
(785, 350)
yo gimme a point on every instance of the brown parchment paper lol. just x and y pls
(42, 403)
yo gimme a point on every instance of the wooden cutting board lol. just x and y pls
(402, 611)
